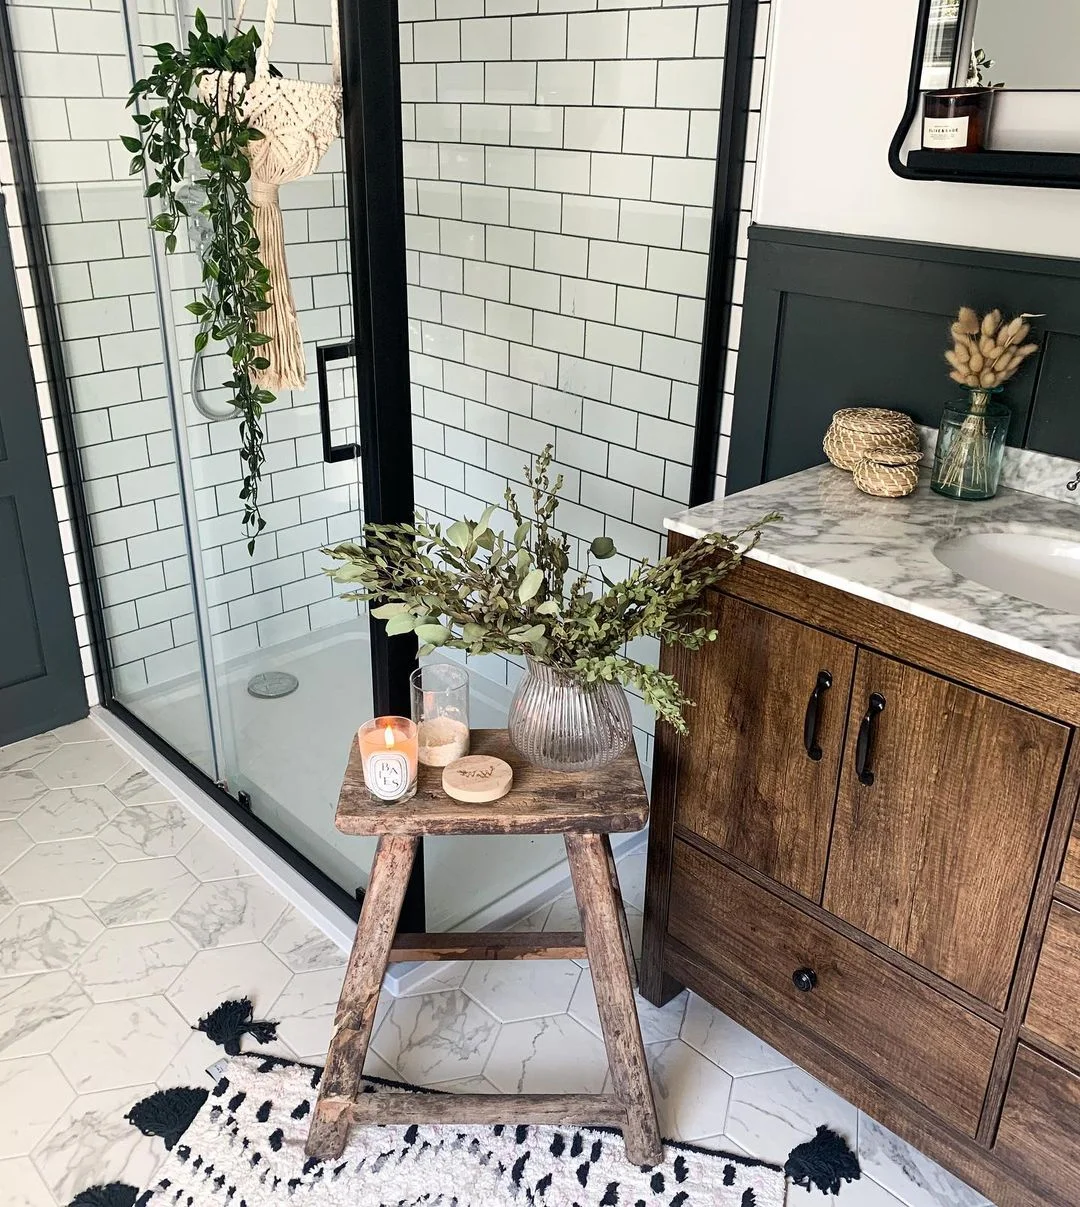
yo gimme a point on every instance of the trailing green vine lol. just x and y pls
(176, 124)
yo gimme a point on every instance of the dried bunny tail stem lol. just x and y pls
(962, 352)
(967, 320)
(988, 379)
(977, 362)
(955, 360)
(987, 346)
(991, 322)
(958, 375)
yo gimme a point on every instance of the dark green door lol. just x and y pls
(41, 679)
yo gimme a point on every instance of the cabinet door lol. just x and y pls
(935, 846)
(746, 780)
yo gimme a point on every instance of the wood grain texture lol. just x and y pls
(620, 908)
(1039, 1134)
(924, 1044)
(562, 1110)
(1070, 870)
(937, 858)
(746, 782)
(489, 945)
(610, 800)
(1053, 1011)
(600, 907)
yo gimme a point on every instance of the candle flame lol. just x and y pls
(388, 735)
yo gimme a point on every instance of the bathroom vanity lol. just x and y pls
(864, 851)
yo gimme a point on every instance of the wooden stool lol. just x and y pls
(585, 808)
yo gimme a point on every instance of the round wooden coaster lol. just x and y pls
(477, 779)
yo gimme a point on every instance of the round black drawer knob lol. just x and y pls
(804, 979)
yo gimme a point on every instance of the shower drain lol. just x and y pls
(268, 685)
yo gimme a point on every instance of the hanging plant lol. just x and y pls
(179, 123)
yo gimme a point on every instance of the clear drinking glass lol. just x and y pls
(440, 708)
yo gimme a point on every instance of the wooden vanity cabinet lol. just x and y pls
(855, 853)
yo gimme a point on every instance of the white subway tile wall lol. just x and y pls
(579, 148)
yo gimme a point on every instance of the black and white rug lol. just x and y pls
(245, 1148)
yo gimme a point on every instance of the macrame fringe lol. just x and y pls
(279, 324)
(231, 1021)
(115, 1194)
(823, 1162)
(167, 1113)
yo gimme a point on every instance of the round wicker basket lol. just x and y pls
(888, 473)
(857, 431)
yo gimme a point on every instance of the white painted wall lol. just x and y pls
(836, 91)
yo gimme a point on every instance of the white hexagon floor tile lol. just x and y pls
(121, 1044)
(147, 890)
(133, 961)
(85, 730)
(690, 1092)
(513, 990)
(14, 841)
(33, 1093)
(656, 1024)
(736, 1050)
(148, 831)
(302, 945)
(134, 785)
(913, 1178)
(222, 974)
(22, 756)
(80, 764)
(23, 1185)
(208, 858)
(772, 1112)
(92, 1144)
(305, 1011)
(36, 1012)
(70, 813)
(547, 1056)
(436, 1037)
(224, 912)
(18, 791)
(52, 871)
(35, 938)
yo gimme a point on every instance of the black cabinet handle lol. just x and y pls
(324, 353)
(865, 744)
(804, 979)
(813, 715)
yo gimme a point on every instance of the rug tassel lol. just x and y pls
(167, 1113)
(231, 1021)
(285, 351)
(115, 1194)
(823, 1162)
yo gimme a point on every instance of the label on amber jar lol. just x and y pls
(944, 133)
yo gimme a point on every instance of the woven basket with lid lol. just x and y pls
(888, 473)
(857, 431)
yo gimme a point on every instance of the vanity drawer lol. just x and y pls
(928, 1046)
(1052, 1011)
(1039, 1133)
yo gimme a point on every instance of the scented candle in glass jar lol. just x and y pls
(388, 747)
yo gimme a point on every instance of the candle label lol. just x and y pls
(388, 774)
(943, 134)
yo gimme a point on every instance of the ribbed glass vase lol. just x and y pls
(563, 724)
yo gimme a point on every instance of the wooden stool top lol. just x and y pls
(611, 800)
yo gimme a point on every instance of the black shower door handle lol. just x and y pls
(323, 353)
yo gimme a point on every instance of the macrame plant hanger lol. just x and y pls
(298, 120)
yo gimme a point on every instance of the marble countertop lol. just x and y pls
(883, 549)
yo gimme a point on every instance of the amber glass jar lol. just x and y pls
(956, 119)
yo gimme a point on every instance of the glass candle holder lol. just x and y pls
(388, 747)
(957, 119)
(440, 708)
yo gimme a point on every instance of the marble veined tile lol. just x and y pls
(914, 1179)
(85, 730)
(134, 785)
(21, 756)
(133, 961)
(224, 912)
(148, 831)
(23, 1186)
(92, 1144)
(81, 763)
(7, 902)
(70, 813)
(552, 1055)
(656, 1024)
(208, 858)
(736, 1050)
(305, 1011)
(512, 990)
(121, 1043)
(222, 974)
(302, 945)
(14, 841)
(147, 890)
(32, 1094)
(18, 791)
(690, 1092)
(38, 937)
(772, 1112)
(436, 1037)
(36, 1012)
(50, 871)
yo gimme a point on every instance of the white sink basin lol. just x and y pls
(1028, 565)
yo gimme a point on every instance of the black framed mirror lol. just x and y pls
(993, 94)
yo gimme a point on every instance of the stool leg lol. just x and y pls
(598, 902)
(624, 928)
(360, 995)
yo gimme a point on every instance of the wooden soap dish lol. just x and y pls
(477, 779)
